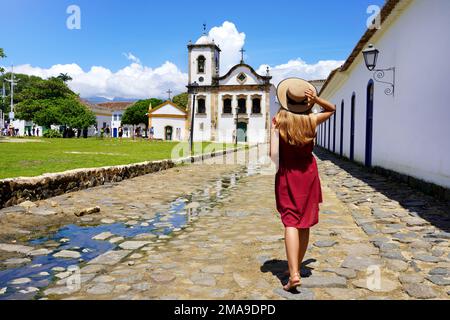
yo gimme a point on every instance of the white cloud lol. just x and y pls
(230, 41)
(134, 81)
(132, 57)
(301, 69)
(137, 81)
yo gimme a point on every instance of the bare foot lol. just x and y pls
(294, 282)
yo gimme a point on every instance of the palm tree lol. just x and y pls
(2, 55)
(64, 77)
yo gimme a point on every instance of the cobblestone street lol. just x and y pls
(376, 239)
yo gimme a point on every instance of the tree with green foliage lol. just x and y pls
(64, 77)
(28, 109)
(25, 81)
(52, 134)
(155, 102)
(75, 115)
(41, 89)
(138, 113)
(181, 100)
(62, 111)
(134, 115)
(45, 114)
(51, 102)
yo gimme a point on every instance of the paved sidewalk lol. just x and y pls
(376, 240)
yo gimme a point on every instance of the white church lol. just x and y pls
(237, 106)
(234, 106)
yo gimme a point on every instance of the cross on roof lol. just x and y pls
(170, 94)
(242, 54)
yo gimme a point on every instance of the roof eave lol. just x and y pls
(385, 13)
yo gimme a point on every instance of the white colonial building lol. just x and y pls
(238, 102)
(168, 122)
(109, 115)
(407, 130)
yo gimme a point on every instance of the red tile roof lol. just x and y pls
(116, 105)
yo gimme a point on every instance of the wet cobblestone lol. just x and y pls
(376, 239)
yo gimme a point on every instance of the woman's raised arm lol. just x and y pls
(329, 108)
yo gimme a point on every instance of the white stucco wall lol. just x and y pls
(22, 124)
(203, 121)
(256, 132)
(101, 119)
(168, 109)
(159, 125)
(116, 122)
(410, 129)
(209, 67)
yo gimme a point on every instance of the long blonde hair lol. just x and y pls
(296, 129)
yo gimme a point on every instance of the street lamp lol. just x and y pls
(371, 58)
(193, 89)
(149, 124)
(237, 125)
(12, 82)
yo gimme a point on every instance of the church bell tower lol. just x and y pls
(204, 60)
(204, 66)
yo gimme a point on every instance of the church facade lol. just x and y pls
(235, 106)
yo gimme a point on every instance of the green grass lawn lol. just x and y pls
(27, 159)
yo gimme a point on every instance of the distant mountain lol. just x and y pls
(96, 100)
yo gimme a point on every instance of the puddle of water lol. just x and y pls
(177, 216)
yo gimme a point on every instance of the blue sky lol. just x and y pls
(34, 32)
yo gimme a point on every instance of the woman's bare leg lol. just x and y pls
(292, 243)
(303, 242)
(303, 238)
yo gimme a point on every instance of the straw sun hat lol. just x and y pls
(292, 97)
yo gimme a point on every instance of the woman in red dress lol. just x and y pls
(297, 185)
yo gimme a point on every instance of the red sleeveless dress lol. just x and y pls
(297, 186)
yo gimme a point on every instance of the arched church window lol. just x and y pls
(227, 106)
(256, 105)
(201, 64)
(242, 105)
(201, 109)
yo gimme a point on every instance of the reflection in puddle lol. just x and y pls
(41, 271)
